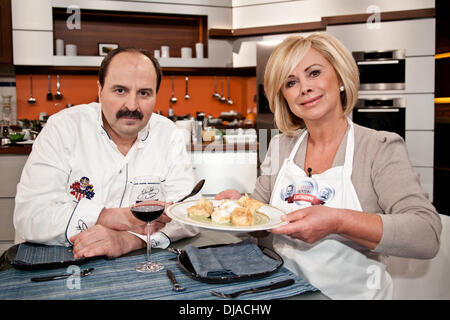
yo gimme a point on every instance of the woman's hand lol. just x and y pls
(228, 194)
(316, 222)
(310, 224)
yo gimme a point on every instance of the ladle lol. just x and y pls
(31, 100)
(58, 94)
(215, 94)
(173, 99)
(229, 101)
(187, 96)
(222, 98)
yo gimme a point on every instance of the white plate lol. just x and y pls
(178, 212)
(26, 142)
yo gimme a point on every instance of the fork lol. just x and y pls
(271, 286)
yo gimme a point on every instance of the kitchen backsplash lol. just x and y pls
(79, 89)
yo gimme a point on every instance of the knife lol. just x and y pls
(62, 276)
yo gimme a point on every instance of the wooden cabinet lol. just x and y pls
(5, 33)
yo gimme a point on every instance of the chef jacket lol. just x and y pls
(75, 170)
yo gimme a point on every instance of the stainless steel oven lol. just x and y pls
(386, 114)
(381, 70)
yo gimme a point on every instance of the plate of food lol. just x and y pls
(243, 215)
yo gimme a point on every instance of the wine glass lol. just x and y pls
(147, 201)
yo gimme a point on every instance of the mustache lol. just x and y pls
(129, 114)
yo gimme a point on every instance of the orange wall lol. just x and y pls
(78, 89)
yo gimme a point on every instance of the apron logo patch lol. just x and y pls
(307, 191)
(82, 189)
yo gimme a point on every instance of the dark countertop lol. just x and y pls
(18, 149)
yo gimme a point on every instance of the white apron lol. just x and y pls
(333, 267)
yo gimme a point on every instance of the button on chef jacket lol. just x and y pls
(75, 170)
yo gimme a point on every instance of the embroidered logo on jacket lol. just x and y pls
(82, 189)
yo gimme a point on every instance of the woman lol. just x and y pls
(356, 195)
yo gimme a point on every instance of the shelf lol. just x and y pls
(149, 31)
(277, 29)
(321, 25)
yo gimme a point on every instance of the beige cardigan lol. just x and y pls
(385, 183)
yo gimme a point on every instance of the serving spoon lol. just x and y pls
(194, 191)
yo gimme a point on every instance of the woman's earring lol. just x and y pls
(341, 88)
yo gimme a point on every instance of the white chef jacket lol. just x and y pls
(54, 199)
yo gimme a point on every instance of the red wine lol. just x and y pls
(147, 213)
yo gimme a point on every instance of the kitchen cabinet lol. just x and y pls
(127, 23)
(5, 33)
(10, 170)
(416, 36)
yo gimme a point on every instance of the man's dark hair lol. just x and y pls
(107, 60)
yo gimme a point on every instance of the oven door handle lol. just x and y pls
(378, 110)
(378, 62)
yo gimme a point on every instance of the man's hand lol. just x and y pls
(120, 219)
(99, 240)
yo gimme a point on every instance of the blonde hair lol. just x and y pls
(287, 55)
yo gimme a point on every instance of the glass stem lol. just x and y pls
(149, 244)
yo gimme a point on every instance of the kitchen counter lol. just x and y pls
(16, 149)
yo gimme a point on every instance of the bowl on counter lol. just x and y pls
(16, 137)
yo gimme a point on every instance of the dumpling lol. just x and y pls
(203, 208)
(242, 217)
(221, 216)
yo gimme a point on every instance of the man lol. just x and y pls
(77, 177)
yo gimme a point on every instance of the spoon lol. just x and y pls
(58, 94)
(222, 98)
(186, 96)
(215, 94)
(229, 101)
(173, 99)
(194, 191)
(31, 100)
(49, 93)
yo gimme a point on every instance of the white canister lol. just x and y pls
(186, 52)
(59, 47)
(165, 51)
(71, 50)
(157, 54)
(199, 50)
(185, 126)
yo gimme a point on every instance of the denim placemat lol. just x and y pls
(31, 254)
(242, 258)
(117, 279)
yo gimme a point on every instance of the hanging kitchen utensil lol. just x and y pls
(215, 95)
(222, 98)
(31, 100)
(229, 101)
(173, 99)
(58, 94)
(187, 96)
(49, 93)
